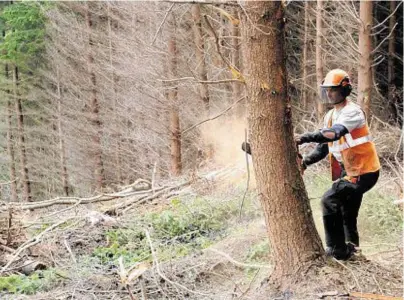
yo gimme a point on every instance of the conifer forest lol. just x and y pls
(168, 149)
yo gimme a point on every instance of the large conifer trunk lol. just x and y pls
(291, 230)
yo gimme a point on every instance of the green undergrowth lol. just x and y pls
(186, 226)
(38, 281)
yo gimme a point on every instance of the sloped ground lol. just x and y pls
(203, 250)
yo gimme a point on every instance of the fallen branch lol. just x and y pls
(124, 207)
(162, 275)
(237, 263)
(71, 200)
(31, 242)
(374, 296)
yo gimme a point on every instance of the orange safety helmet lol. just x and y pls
(335, 87)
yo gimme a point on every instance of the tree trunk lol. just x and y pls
(21, 136)
(319, 58)
(94, 111)
(305, 50)
(291, 230)
(235, 61)
(62, 151)
(200, 56)
(390, 65)
(118, 136)
(365, 61)
(175, 140)
(10, 147)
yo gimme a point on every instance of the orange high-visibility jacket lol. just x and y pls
(357, 150)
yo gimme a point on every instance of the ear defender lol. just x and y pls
(346, 87)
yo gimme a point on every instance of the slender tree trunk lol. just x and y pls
(235, 60)
(319, 58)
(200, 56)
(305, 50)
(175, 140)
(365, 61)
(118, 137)
(62, 151)
(21, 135)
(94, 111)
(390, 67)
(291, 230)
(10, 147)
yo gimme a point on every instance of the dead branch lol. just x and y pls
(373, 296)
(131, 202)
(32, 242)
(237, 263)
(162, 275)
(215, 117)
(72, 200)
(202, 81)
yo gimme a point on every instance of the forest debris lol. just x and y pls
(30, 266)
(373, 296)
(31, 242)
(328, 294)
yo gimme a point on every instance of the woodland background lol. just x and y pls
(97, 94)
(98, 98)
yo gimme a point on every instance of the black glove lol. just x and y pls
(246, 147)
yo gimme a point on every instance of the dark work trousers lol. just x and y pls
(340, 206)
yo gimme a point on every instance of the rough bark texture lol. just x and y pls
(10, 147)
(237, 87)
(200, 56)
(390, 64)
(292, 234)
(305, 50)
(175, 142)
(365, 61)
(94, 112)
(319, 59)
(26, 184)
(62, 151)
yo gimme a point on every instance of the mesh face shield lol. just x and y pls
(331, 94)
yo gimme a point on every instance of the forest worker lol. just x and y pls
(345, 138)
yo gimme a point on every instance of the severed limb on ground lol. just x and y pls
(32, 242)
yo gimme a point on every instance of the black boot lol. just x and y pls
(335, 237)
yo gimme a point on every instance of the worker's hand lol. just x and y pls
(301, 164)
(298, 139)
(246, 147)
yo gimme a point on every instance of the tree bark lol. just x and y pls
(62, 151)
(10, 147)
(114, 79)
(291, 230)
(94, 110)
(200, 56)
(21, 136)
(235, 61)
(305, 50)
(390, 64)
(175, 140)
(365, 61)
(319, 58)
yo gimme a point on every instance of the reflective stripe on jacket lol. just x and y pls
(358, 153)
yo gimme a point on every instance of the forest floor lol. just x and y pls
(197, 245)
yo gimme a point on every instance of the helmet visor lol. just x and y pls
(331, 94)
